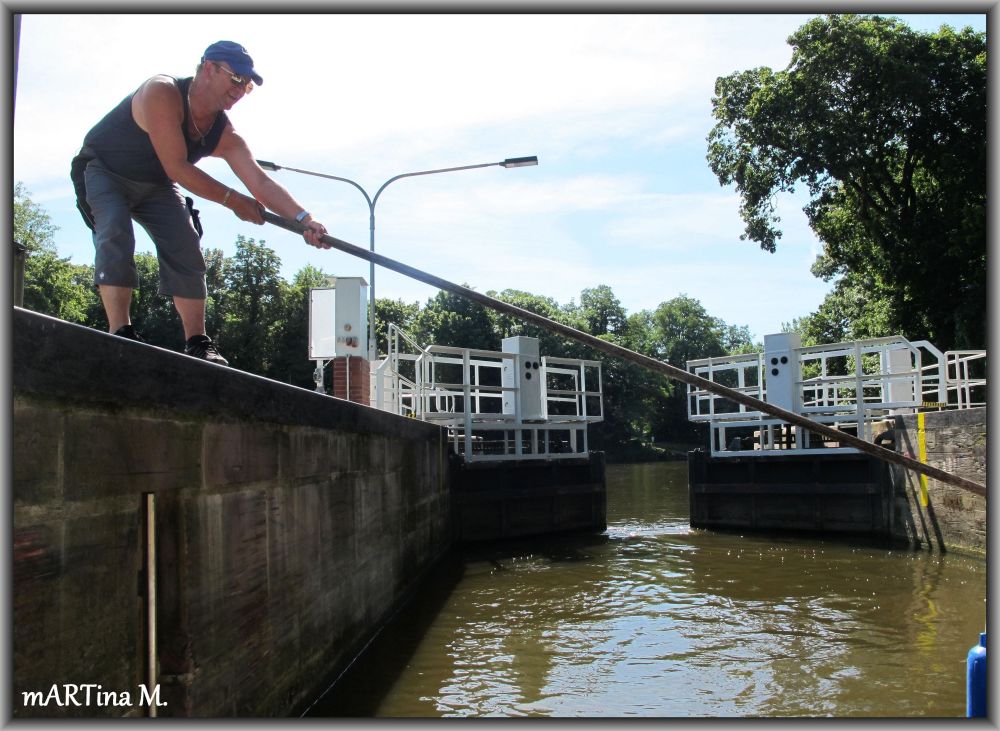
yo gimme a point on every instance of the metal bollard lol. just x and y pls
(975, 689)
(20, 254)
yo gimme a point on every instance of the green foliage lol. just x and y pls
(602, 312)
(290, 359)
(506, 326)
(33, 227)
(252, 306)
(396, 312)
(448, 319)
(886, 127)
(56, 287)
(682, 330)
(52, 285)
(215, 281)
(852, 311)
(152, 313)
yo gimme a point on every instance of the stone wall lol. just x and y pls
(287, 527)
(953, 519)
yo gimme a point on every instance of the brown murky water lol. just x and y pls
(656, 619)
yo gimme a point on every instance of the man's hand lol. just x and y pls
(313, 231)
(246, 208)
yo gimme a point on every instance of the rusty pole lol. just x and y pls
(643, 360)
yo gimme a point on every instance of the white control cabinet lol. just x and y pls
(523, 371)
(338, 319)
(781, 371)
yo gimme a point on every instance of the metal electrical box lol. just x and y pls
(523, 371)
(781, 371)
(338, 319)
(900, 389)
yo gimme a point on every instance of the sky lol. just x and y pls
(617, 109)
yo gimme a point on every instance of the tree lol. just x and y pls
(52, 285)
(215, 281)
(886, 127)
(850, 312)
(448, 319)
(252, 305)
(290, 360)
(33, 227)
(602, 311)
(506, 326)
(395, 312)
(682, 330)
(152, 313)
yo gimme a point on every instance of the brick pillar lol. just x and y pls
(360, 378)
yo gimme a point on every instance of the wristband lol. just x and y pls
(225, 198)
(301, 216)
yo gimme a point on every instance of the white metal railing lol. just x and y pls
(848, 386)
(393, 390)
(956, 379)
(463, 390)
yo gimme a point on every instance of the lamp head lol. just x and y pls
(519, 162)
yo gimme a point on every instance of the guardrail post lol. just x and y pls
(20, 255)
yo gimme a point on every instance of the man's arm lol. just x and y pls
(159, 110)
(234, 150)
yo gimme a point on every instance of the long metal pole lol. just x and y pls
(643, 360)
(372, 348)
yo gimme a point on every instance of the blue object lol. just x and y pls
(975, 690)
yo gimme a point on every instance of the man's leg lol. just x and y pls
(166, 218)
(192, 312)
(114, 242)
(197, 343)
(117, 301)
(168, 222)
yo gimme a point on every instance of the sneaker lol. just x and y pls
(129, 333)
(201, 346)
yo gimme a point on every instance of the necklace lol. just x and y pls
(194, 124)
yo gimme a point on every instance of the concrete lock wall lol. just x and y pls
(287, 527)
(952, 519)
(856, 493)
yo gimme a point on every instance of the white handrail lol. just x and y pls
(851, 384)
(463, 389)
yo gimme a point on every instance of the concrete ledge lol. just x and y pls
(53, 359)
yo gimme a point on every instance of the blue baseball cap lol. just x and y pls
(236, 56)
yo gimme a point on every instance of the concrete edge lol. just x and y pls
(52, 359)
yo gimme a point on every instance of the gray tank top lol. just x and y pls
(126, 149)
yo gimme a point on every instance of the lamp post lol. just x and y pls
(510, 162)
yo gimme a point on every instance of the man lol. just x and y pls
(129, 168)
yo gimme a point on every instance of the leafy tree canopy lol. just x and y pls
(33, 227)
(52, 284)
(886, 126)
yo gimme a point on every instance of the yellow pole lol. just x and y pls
(922, 448)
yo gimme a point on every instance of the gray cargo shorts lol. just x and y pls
(160, 209)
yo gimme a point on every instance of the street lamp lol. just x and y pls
(510, 162)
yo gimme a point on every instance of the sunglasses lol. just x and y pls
(238, 80)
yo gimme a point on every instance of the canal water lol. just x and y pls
(654, 618)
